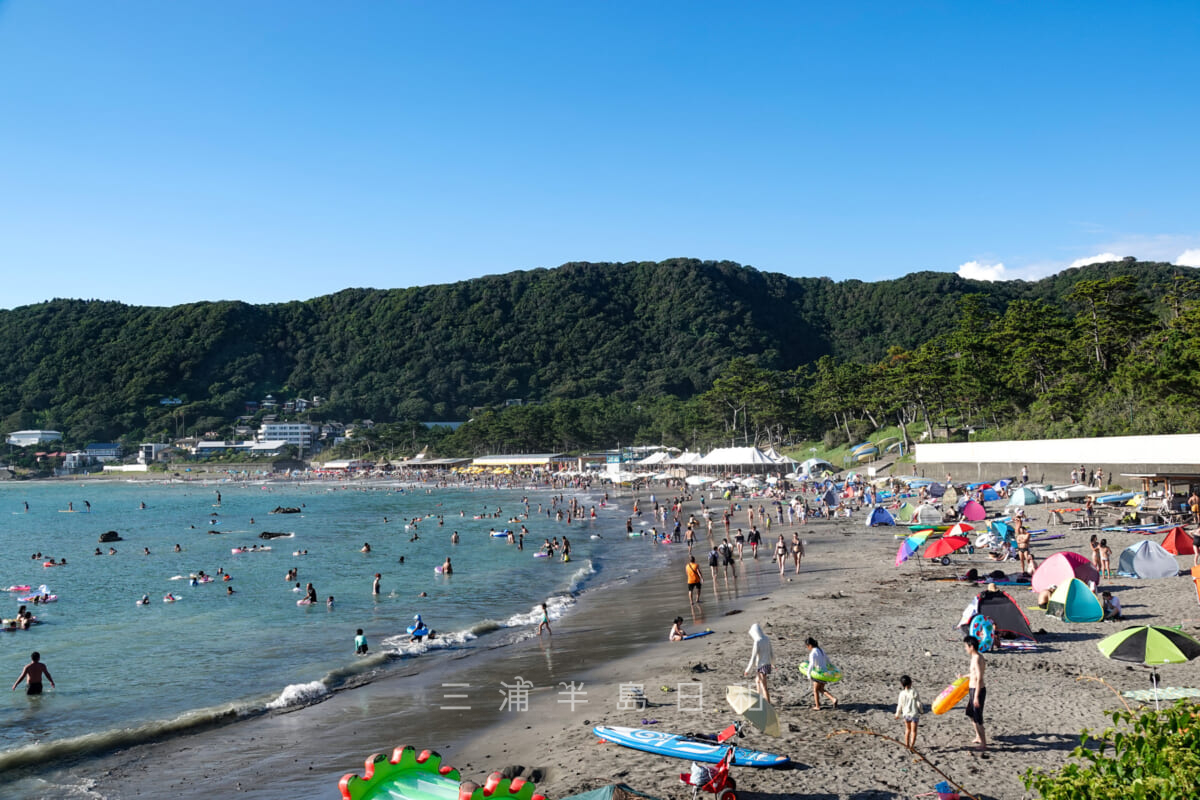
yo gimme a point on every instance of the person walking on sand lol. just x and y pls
(694, 580)
(817, 661)
(977, 690)
(797, 550)
(33, 673)
(761, 661)
(545, 623)
(1105, 559)
(908, 706)
(781, 553)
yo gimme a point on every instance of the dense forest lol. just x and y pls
(684, 352)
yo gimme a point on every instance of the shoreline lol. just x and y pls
(875, 621)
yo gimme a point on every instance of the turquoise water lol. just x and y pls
(120, 666)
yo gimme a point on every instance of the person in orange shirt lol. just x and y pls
(694, 580)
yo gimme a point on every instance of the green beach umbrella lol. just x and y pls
(1146, 644)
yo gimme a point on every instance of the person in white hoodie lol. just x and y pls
(761, 661)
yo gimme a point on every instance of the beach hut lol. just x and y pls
(1073, 601)
(1147, 559)
(1177, 542)
(927, 515)
(880, 516)
(973, 512)
(1062, 567)
(905, 513)
(1023, 496)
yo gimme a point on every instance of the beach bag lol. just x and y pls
(700, 774)
(984, 631)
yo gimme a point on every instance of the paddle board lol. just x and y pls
(677, 746)
(696, 635)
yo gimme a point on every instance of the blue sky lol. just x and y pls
(169, 152)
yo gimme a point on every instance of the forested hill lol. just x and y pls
(99, 369)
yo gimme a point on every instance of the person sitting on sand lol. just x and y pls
(1111, 605)
(677, 632)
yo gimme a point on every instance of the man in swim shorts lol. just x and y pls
(977, 690)
(32, 675)
(694, 580)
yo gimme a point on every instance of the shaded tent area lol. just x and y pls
(972, 511)
(927, 514)
(614, 791)
(1023, 497)
(1003, 610)
(905, 512)
(880, 516)
(1073, 601)
(990, 495)
(1147, 559)
(1177, 542)
(1062, 567)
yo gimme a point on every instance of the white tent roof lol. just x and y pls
(813, 463)
(778, 457)
(661, 457)
(686, 458)
(737, 456)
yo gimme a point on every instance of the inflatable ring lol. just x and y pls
(827, 674)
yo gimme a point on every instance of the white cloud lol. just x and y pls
(1189, 258)
(1101, 258)
(977, 271)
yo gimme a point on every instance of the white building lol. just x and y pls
(299, 434)
(28, 438)
(147, 453)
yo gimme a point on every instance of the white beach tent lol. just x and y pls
(815, 466)
(780, 458)
(698, 480)
(685, 458)
(736, 457)
(661, 457)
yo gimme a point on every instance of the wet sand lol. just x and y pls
(874, 620)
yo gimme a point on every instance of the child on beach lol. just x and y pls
(817, 660)
(677, 632)
(761, 661)
(1105, 559)
(360, 643)
(545, 623)
(1094, 543)
(908, 706)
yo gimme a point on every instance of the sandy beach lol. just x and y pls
(876, 622)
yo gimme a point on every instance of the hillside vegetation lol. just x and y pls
(685, 352)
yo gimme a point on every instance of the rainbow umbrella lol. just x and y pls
(910, 545)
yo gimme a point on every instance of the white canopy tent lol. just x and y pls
(736, 457)
(683, 459)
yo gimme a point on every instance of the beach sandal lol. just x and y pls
(649, 722)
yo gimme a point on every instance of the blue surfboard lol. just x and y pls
(696, 635)
(677, 746)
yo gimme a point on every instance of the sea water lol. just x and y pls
(127, 672)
